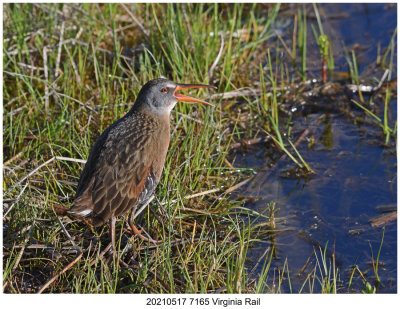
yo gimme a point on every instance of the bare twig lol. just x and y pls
(53, 46)
(15, 111)
(237, 186)
(59, 49)
(77, 101)
(15, 201)
(30, 174)
(176, 127)
(147, 238)
(258, 262)
(32, 67)
(87, 102)
(264, 173)
(106, 249)
(383, 219)
(39, 167)
(187, 197)
(249, 142)
(128, 59)
(78, 34)
(68, 235)
(173, 243)
(48, 283)
(244, 92)
(218, 57)
(70, 159)
(46, 77)
(76, 7)
(14, 99)
(387, 71)
(101, 15)
(136, 21)
(22, 76)
(31, 246)
(121, 29)
(190, 118)
(28, 236)
(199, 211)
(17, 156)
(75, 68)
(137, 213)
(27, 37)
(46, 9)
(5, 285)
(32, 50)
(228, 163)
(187, 23)
(284, 44)
(201, 193)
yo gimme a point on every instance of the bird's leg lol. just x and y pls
(132, 216)
(132, 226)
(112, 229)
(137, 232)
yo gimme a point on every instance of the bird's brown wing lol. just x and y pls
(117, 174)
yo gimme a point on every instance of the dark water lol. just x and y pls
(355, 175)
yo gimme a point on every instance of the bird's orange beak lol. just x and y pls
(182, 97)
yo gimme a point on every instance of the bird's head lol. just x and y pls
(161, 95)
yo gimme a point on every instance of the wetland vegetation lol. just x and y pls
(284, 79)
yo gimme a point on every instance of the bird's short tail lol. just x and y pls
(61, 210)
(65, 211)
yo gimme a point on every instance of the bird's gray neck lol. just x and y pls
(149, 111)
(144, 107)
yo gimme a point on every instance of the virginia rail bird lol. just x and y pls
(126, 161)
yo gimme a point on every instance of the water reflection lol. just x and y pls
(352, 179)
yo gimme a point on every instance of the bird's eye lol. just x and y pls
(164, 90)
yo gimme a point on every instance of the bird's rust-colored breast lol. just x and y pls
(124, 165)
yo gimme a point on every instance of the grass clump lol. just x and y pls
(70, 70)
(64, 85)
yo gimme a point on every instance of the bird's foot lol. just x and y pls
(135, 230)
(139, 233)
